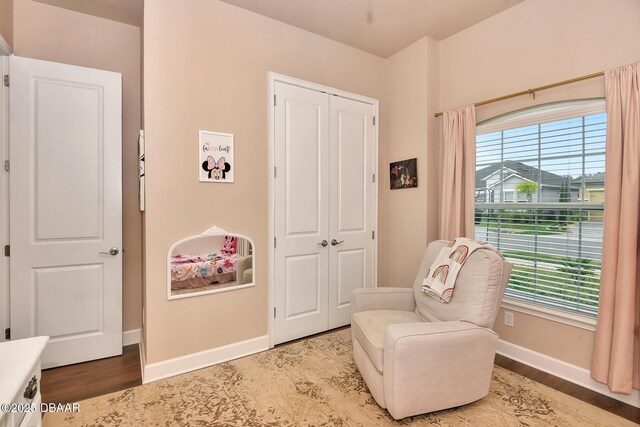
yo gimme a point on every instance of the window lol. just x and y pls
(548, 164)
(508, 195)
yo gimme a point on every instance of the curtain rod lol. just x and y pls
(533, 91)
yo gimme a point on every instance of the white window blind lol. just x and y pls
(540, 200)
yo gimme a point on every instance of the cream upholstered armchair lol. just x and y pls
(419, 355)
(244, 270)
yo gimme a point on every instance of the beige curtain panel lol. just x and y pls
(459, 173)
(615, 354)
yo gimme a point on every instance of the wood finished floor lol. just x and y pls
(601, 401)
(90, 379)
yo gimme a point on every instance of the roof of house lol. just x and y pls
(524, 171)
(591, 178)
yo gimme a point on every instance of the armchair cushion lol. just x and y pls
(369, 327)
(478, 290)
(385, 298)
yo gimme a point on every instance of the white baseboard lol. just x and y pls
(191, 362)
(131, 337)
(564, 370)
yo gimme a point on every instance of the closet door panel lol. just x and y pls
(302, 279)
(302, 212)
(351, 268)
(351, 169)
(303, 162)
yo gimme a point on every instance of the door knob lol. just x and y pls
(323, 243)
(112, 252)
(334, 242)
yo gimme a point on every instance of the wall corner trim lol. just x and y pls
(143, 357)
(5, 49)
(130, 337)
(564, 370)
(191, 362)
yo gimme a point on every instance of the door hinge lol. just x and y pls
(7, 250)
(274, 242)
(7, 334)
(275, 171)
(374, 178)
(6, 80)
(274, 100)
(373, 234)
(374, 120)
(6, 165)
(274, 312)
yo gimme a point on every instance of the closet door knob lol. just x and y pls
(334, 242)
(323, 243)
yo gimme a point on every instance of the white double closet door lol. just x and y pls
(324, 208)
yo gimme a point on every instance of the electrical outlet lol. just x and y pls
(508, 318)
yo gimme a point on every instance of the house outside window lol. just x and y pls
(540, 200)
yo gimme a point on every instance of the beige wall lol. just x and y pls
(433, 140)
(206, 68)
(534, 43)
(531, 44)
(6, 21)
(411, 214)
(220, 83)
(564, 342)
(54, 34)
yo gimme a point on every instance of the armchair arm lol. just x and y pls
(436, 365)
(363, 299)
(243, 264)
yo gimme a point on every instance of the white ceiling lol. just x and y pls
(380, 27)
(126, 11)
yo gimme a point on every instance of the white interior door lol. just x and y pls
(66, 209)
(5, 321)
(302, 212)
(351, 171)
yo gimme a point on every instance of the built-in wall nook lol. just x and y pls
(212, 261)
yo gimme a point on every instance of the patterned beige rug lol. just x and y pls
(314, 382)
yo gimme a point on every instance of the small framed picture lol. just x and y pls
(404, 174)
(216, 162)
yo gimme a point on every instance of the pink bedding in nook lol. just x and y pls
(196, 271)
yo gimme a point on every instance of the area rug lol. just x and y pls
(314, 382)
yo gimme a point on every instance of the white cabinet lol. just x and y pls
(20, 381)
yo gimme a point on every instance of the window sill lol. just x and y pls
(575, 320)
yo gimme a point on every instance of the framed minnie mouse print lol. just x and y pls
(216, 162)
